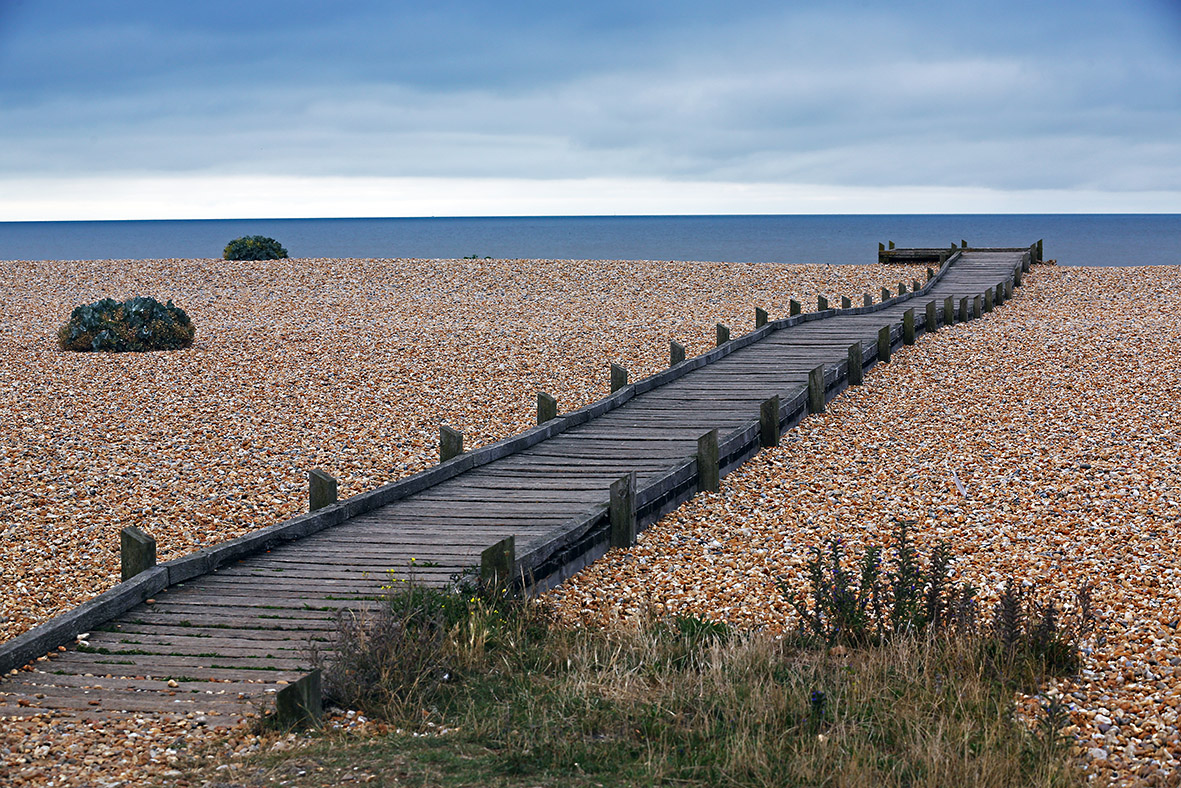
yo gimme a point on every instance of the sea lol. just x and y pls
(1071, 239)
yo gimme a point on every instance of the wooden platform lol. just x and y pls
(221, 644)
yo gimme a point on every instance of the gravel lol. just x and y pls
(1057, 414)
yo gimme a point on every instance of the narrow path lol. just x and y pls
(217, 645)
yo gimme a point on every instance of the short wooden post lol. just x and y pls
(1018, 273)
(622, 511)
(885, 294)
(999, 294)
(1008, 289)
(1039, 251)
(676, 353)
(794, 308)
(854, 372)
(723, 334)
(932, 322)
(901, 288)
(891, 244)
(321, 490)
(547, 407)
(915, 286)
(948, 311)
(760, 317)
(988, 300)
(769, 422)
(450, 443)
(866, 299)
(908, 327)
(884, 344)
(137, 551)
(821, 303)
(978, 306)
(930, 273)
(963, 244)
(618, 377)
(709, 477)
(965, 310)
(300, 702)
(846, 302)
(816, 390)
(498, 565)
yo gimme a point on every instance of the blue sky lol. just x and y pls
(457, 107)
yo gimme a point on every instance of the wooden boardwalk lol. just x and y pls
(219, 644)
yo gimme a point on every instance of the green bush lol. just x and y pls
(254, 247)
(137, 324)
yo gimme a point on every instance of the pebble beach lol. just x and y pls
(1041, 441)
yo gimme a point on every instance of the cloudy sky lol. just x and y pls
(253, 108)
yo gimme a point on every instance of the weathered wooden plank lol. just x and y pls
(547, 489)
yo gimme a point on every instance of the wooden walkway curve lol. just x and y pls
(217, 634)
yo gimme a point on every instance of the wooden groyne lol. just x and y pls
(226, 629)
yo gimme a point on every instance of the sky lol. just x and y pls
(250, 109)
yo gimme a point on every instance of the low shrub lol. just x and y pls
(254, 247)
(1025, 640)
(137, 324)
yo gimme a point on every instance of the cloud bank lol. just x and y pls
(1077, 103)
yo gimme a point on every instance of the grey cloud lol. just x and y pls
(812, 98)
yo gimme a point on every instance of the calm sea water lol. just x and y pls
(1104, 240)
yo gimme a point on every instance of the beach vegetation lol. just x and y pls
(254, 247)
(137, 324)
(489, 688)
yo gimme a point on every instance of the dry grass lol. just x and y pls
(526, 701)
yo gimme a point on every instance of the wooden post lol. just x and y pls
(932, 317)
(137, 551)
(988, 300)
(300, 702)
(930, 273)
(816, 390)
(999, 294)
(1040, 259)
(709, 477)
(450, 443)
(948, 311)
(498, 564)
(769, 422)
(884, 344)
(547, 407)
(794, 308)
(1017, 274)
(901, 288)
(1008, 289)
(908, 327)
(885, 294)
(321, 490)
(760, 317)
(915, 286)
(978, 306)
(622, 511)
(723, 333)
(821, 303)
(846, 302)
(965, 310)
(866, 299)
(618, 377)
(676, 353)
(891, 244)
(854, 371)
